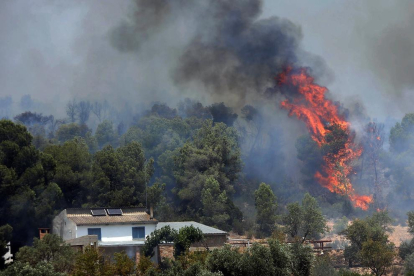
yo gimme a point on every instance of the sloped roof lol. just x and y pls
(204, 228)
(83, 216)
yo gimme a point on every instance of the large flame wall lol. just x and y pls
(311, 106)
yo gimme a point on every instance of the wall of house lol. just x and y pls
(115, 233)
(64, 227)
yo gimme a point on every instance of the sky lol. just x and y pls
(57, 50)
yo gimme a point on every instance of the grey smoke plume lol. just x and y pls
(226, 49)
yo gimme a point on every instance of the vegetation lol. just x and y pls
(202, 163)
(266, 207)
(306, 220)
(182, 239)
(369, 243)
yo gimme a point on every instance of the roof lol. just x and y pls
(204, 228)
(83, 216)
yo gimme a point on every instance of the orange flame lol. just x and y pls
(319, 113)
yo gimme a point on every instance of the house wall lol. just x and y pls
(64, 227)
(115, 233)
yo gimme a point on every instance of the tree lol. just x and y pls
(401, 162)
(323, 267)
(186, 236)
(164, 234)
(314, 222)
(213, 152)
(164, 111)
(293, 219)
(305, 221)
(189, 108)
(119, 176)
(362, 231)
(225, 260)
(106, 135)
(266, 207)
(41, 269)
(182, 239)
(373, 142)
(68, 132)
(35, 122)
(281, 257)
(26, 176)
(96, 109)
(309, 152)
(302, 259)
(411, 222)
(377, 255)
(51, 250)
(123, 265)
(83, 109)
(91, 262)
(214, 205)
(71, 110)
(409, 265)
(222, 114)
(257, 261)
(73, 170)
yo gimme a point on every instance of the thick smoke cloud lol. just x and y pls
(228, 50)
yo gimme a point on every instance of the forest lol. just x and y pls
(208, 164)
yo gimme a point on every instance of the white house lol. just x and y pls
(121, 229)
(117, 229)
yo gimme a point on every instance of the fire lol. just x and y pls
(322, 117)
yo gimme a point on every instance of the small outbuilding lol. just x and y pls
(212, 237)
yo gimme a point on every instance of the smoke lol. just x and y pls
(135, 52)
(227, 52)
(389, 45)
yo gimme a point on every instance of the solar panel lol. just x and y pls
(114, 212)
(98, 212)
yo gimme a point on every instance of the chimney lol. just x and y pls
(151, 212)
(43, 232)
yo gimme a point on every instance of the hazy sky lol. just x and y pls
(54, 50)
(354, 38)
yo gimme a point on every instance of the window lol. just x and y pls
(95, 231)
(138, 233)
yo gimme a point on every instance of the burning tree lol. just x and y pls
(328, 128)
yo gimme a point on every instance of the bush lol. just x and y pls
(302, 260)
(409, 264)
(323, 267)
(406, 248)
(225, 260)
(144, 265)
(257, 261)
(281, 257)
(40, 269)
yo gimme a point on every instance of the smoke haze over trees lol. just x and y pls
(105, 99)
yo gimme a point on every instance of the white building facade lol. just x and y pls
(117, 229)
